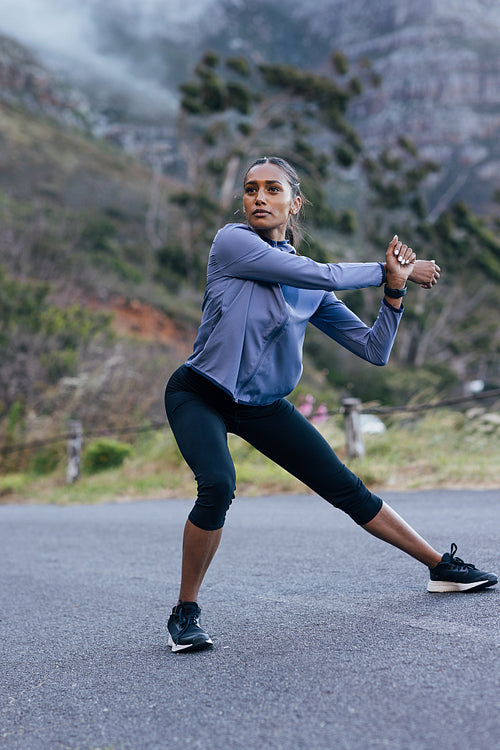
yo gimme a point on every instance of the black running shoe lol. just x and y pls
(185, 632)
(453, 574)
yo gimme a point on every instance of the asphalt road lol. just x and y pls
(324, 637)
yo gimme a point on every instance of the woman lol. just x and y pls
(247, 357)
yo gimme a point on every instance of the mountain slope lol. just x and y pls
(74, 213)
(439, 63)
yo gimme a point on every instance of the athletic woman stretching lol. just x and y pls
(247, 357)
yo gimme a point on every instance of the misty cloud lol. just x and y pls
(69, 37)
(50, 27)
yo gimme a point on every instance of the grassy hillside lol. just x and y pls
(74, 238)
(76, 212)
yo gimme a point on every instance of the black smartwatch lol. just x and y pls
(394, 293)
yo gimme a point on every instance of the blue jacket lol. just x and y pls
(259, 298)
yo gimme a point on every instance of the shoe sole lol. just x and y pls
(443, 587)
(198, 644)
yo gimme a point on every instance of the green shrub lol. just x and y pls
(100, 234)
(12, 483)
(105, 453)
(58, 364)
(118, 267)
(46, 459)
(340, 62)
(347, 222)
(239, 65)
(345, 155)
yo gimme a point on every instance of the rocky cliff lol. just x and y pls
(439, 62)
(440, 69)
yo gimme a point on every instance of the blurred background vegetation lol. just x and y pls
(103, 256)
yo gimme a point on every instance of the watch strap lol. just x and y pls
(394, 293)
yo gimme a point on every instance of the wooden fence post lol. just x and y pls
(74, 451)
(353, 437)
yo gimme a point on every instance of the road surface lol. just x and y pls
(325, 638)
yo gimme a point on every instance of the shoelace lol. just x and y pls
(188, 617)
(458, 560)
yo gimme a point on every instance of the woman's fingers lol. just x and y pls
(403, 253)
(435, 273)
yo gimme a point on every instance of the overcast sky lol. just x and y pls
(48, 25)
(68, 25)
(65, 33)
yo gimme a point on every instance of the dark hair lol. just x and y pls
(292, 233)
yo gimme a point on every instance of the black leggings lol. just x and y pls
(201, 414)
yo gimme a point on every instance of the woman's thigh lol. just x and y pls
(201, 434)
(287, 438)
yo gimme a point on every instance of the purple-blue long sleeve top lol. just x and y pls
(259, 298)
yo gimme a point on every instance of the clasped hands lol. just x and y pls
(401, 264)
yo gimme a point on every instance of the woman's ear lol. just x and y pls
(296, 204)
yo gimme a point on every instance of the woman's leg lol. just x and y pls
(201, 434)
(290, 440)
(390, 527)
(198, 548)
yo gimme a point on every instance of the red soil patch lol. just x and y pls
(135, 318)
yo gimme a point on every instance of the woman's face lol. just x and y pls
(267, 201)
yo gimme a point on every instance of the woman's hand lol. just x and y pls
(426, 273)
(399, 263)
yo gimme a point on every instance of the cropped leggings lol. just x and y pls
(201, 414)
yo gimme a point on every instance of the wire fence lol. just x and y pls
(63, 437)
(486, 395)
(362, 409)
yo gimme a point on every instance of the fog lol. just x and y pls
(71, 38)
(72, 27)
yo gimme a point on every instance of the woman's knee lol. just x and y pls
(356, 500)
(215, 495)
